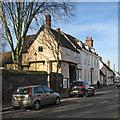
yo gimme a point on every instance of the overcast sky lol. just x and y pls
(98, 20)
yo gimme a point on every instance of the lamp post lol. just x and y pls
(35, 61)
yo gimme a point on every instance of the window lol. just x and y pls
(85, 73)
(22, 91)
(97, 63)
(67, 52)
(38, 89)
(85, 58)
(77, 84)
(91, 61)
(47, 89)
(40, 49)
(75, 54)
(79, 57)
(88, 59)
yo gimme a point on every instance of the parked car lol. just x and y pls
(81, 88)
(34, 96)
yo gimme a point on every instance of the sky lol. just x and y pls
(98, 20)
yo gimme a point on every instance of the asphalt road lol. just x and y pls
(103, 105)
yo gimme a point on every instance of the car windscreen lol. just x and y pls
(22, 91)
(77, 84)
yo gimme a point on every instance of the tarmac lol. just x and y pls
(8, 106)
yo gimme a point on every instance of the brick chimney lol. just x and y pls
(89, 41)
(48, 20)
(108, 63)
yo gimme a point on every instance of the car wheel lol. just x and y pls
(36, 105)
(57, 101)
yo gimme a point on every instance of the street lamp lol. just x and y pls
(35, 61)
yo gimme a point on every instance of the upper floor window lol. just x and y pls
(40, 49)
(91, 61)
(75, 54)
(97, 63)
(85, 58)
(88, 59)
(79, 57)
(67, 52)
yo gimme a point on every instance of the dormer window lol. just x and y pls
(40, 49)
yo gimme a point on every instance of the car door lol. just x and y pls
(40, 94)
(50, 94)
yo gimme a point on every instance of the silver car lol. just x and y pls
(34, 96)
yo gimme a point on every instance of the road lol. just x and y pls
(103, 105)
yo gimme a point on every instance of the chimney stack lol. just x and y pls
(89, 41)
(48, 20)
(108, 63)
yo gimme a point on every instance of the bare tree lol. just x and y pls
(18, 17)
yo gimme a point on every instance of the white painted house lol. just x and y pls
(89, 66)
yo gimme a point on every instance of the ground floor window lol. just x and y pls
(65, 83)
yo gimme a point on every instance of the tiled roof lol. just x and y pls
(106, 66)
(28, 41)
(64, 41)
(73, 40)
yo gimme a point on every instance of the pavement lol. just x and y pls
(8, 106)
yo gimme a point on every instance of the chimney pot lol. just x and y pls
(58, 29)
(90, 38)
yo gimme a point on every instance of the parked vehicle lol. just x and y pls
(34, 96)
(81, 88)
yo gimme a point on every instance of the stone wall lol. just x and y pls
(12, 80)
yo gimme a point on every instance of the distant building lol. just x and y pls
(106, 74)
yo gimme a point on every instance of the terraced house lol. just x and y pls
(77, 60)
